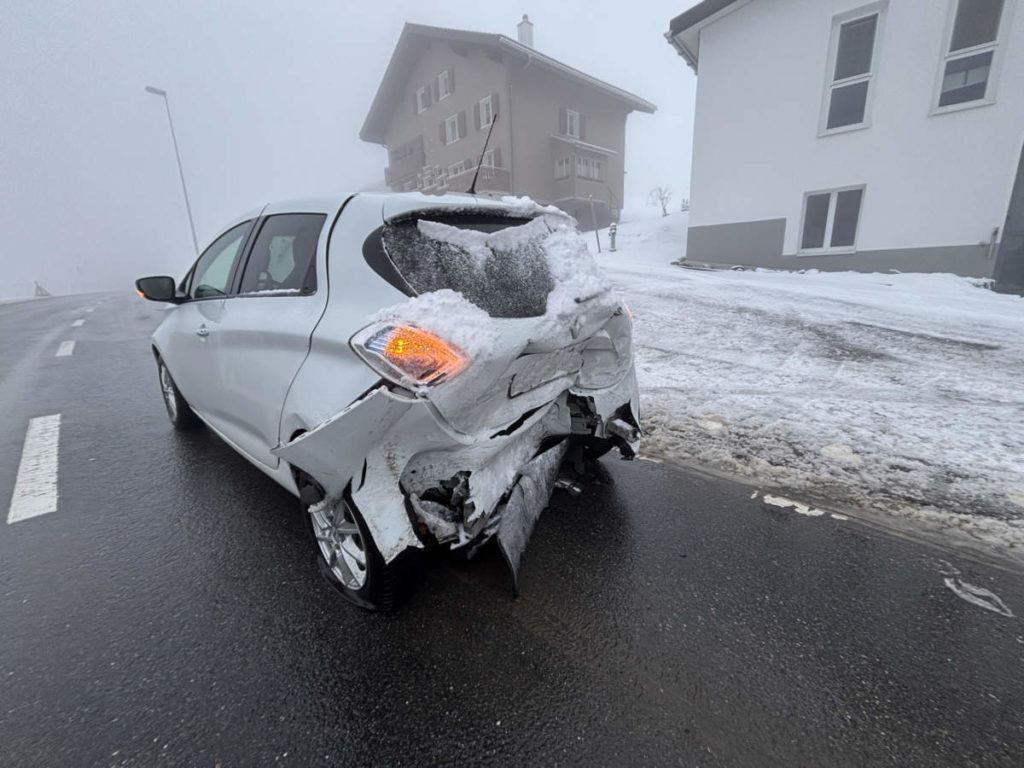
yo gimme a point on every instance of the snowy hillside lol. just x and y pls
(898, 394)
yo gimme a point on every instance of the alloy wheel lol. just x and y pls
(340, 542)
(167, 387)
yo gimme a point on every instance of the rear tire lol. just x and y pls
(178, 411)
(347, 556)
(595, 447)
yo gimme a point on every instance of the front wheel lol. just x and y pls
(347, 556)
(181, 415)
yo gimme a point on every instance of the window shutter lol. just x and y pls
(433, 88)
(476, 115)
(444, 138)
(415, 106)
(494, 105)
(563, 122)
(451, 80)
(427, 89)
(462, 124)
(497, 158)
(583, 128)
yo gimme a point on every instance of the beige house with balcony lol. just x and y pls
(558, 134)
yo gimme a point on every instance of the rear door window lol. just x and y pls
(283, 256)
(212, 272)
(496, 262)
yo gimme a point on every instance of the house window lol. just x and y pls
(456, 168)
(444, 85)
(562, 168)
(967, 65)
(486, 111)
(451, 130)
(830, 220)
(488, 159)
(589, 168)
(422, 100)
(851, 67)
(572, 123)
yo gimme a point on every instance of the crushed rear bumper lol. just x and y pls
(416, 480)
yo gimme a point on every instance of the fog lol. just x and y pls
(267, 100)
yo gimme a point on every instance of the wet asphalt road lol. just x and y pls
(169, 613)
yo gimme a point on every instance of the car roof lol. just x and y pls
(392, 200)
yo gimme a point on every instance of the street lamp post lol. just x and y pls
(177, 155)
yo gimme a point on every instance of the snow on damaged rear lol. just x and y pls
(534, 345)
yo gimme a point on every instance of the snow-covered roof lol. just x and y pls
(410, 47)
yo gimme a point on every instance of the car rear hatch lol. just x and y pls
(519, 296)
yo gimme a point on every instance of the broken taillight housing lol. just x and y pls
(408, 355)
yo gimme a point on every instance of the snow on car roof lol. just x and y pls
(393, 203)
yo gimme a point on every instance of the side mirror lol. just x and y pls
(157, 289)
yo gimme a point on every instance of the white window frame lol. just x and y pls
(572, 123)
(588, 168)
(879, 8)
(998, 47)
(421, 100)
(451, 128)
(827, 248)
(487, 161)
(443, 93)
(487, 102)
(563, 168)
(456, 168)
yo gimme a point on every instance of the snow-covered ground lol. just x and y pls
(894, 394)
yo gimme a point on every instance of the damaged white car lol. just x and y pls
(415, 369)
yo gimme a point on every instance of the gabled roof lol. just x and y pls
(684, 30)
(410, 47)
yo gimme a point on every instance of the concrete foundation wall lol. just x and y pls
(760, 244)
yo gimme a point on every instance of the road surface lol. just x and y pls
(167, 611)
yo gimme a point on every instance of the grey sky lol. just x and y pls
(267, 99)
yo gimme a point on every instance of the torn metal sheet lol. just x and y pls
(336, 449)
(526, 501)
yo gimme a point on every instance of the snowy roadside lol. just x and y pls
(901, 394)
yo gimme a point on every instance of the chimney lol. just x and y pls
(526, 31)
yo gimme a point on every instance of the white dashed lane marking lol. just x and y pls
(65, 349)
(78, 323)
(90, 309)
(35, 490)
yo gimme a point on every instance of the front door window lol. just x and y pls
(212, 272)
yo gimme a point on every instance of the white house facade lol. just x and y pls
(852, 135)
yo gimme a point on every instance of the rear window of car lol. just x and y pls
(507, 276)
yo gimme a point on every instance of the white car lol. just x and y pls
(415, 369)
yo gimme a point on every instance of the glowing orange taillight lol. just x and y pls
(409, 355)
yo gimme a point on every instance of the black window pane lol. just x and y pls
(965, 79)
(844, 226)
(815, 219)
(856, 43)
(977, 22)
(283, 256)
(847, 105)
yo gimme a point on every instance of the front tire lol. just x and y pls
(346, 554)
(178, 411)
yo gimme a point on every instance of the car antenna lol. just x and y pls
(472, 187)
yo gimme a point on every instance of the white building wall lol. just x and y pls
(932, 180)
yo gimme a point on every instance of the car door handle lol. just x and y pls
(203, 331)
